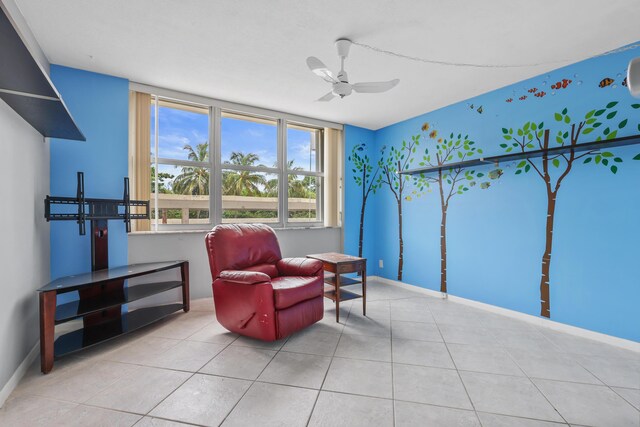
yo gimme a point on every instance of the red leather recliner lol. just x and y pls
(256, 292)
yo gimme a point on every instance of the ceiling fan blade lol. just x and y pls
(320, 69)
(327, 97)
(375, 87)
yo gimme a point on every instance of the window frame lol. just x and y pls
(261, 169)
(318, 173)
(216, 109)
(156, 161)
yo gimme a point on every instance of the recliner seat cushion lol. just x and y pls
(290, 290)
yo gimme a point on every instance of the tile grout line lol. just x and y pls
(304, 388)
(536, 386)
(179, 341)
(190, 376)
(607, 385)
(192, 373)
(329, 367)
(341, 334)
(393, 385)
(475, 411)
(521, 417)
(254, 381)
(625, 399)
(519, 367)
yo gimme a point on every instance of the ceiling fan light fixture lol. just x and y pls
(342, 89)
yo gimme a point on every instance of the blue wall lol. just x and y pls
(496, 236)
(99, 104)
(358, 137)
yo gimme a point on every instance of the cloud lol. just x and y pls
(255, 133)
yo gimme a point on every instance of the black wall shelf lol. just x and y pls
(587, 146)
(26, 88)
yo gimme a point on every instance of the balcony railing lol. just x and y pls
(187, 203)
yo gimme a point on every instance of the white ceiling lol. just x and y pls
(254, 51)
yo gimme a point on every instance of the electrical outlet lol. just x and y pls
(380, 264)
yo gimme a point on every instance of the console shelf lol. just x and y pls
(95, 334)
(102, 295)
(75, 309)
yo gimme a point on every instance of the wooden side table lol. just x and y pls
(342, 264)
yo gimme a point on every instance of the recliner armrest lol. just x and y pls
(244, 277)
(299, 267)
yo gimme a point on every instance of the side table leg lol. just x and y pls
(364, 289)
(337, 298)
(184, 272)
(47, 329)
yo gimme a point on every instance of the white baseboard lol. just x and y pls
(18, 374)
(538, 321)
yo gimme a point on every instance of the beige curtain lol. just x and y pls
(332, 177)
(140, 152)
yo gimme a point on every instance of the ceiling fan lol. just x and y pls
(340, 82)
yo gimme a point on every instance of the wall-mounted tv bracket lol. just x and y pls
(100, 211)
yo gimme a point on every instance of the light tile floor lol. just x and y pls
(413, 361)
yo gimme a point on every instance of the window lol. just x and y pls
(250, 169)
(201, 164)
(304, 173)
(180, 163)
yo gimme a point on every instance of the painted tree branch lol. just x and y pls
(520, 139)
(362, 164)
(391, 162)
(450, 182)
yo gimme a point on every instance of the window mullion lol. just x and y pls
(155, 155)
(216, 167)
(284, 177)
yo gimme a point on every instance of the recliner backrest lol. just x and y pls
(240, 246)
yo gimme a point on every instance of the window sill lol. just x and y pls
(142, 233)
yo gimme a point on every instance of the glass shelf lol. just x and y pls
(91, 335)
(79, 308)
(79, 281)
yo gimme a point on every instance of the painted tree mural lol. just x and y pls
(364, 176)
(391, 162)
(531, 135)
(450, 182)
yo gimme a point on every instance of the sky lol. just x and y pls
(178, 128)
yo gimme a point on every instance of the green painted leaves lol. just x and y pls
(507, 134)
(362, 168)
(562, 117)
(525, 138)
(606, 159)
